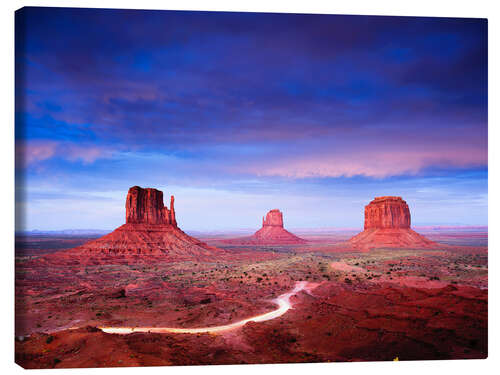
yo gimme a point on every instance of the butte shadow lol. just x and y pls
(388, 225)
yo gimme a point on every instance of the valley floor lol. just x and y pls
(377, 305)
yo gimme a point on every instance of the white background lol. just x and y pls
(443, 8)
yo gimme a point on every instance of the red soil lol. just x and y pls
(391, 238)
(338, 322)
(167, 240)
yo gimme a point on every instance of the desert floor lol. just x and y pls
(362, 306)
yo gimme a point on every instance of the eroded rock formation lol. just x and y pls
(150, 229)
(274, 218)
(271, 233)
(387, 212)
(388, 224)
(145, 206)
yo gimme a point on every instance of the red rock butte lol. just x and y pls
(271, 233)
(388, 225)
(145, 206)
(274, 218)
(150, 229)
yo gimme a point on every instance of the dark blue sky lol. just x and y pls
(238, 113)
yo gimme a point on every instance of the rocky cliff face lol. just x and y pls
(387, 225)
(387, 212)
(274, 218)
(145, 206)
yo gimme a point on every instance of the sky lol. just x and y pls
(239, 113)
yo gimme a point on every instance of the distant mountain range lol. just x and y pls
(65, 232)
(243, 232)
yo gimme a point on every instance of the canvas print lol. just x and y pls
(206, 188)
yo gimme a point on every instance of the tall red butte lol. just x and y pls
(271, 233)
(150, 229)
(387, 225)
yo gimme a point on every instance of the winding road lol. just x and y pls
(283, 302)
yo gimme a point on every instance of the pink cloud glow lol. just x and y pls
(371, 164)
(33, 152)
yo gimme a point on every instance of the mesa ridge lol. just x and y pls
(388, 225)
